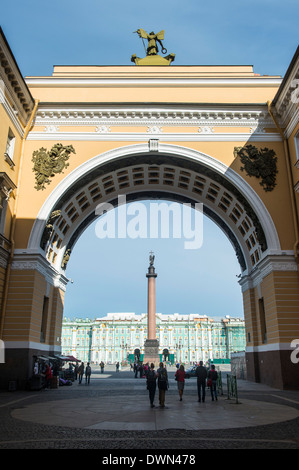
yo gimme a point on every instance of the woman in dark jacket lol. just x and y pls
(151, 384)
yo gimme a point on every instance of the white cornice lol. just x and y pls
(151, 110)
(14, 83)
(163, 137)
(205, 118)
(153, 114)
(284, 261)
(285, 105)
(152, 82)
(11, 113)
(292, 124)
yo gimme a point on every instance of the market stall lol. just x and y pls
(68, 373)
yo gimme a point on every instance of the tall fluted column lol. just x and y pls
(151, 303)
(151, 345)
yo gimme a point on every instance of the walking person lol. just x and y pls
(48, 376)
(212, 377)
(151, 384)
(180, 378)
(201, 374)
(87, 374)
(81, 372)
(162, 383)
(102, 367)
(76, 371)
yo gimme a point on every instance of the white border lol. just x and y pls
(167, 137)
(155, 82)
(270, 347)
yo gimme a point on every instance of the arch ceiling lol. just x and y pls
(170, 172)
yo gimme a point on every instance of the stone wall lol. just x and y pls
(238, 365)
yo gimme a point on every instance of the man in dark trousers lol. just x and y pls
(201, 374)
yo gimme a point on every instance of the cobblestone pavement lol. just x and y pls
(113, 413)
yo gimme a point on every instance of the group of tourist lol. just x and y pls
(140, 369)
(81, 370)
(152, 377)
(204, 378)
(155, 377)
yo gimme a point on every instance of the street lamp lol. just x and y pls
(124, 348)
(179, 347)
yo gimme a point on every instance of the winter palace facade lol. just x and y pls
(183, 338)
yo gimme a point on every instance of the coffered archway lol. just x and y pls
(174, 173)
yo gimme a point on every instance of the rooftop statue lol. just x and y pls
(152, 48)
(152, 56)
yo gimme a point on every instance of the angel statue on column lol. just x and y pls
(152, 258)
(152, 47)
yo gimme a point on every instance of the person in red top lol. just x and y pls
(213, 375)
(48, 376)
(180, 377)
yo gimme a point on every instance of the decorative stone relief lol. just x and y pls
(51, 129)
(154, 130)
(258, 129)
(206, 130)
(49, 228)
(153, 145)
(260, 163)
(103, 129)
(48, 163)
(66, 258)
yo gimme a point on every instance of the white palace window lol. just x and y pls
(10, 146)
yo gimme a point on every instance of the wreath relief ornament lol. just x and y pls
(48, 163)
(260, 163)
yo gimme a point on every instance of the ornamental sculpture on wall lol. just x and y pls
(65, 259)
(49, 228)
(48, 163)
(260, 163)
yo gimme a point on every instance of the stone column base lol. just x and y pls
(151, 352)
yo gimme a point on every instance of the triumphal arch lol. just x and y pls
(224, 136)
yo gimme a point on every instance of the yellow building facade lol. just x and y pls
(221, 135)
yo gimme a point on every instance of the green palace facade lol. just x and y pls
(182, 338)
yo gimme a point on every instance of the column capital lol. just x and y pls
(151, 272)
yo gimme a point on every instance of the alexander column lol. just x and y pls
(151, 345)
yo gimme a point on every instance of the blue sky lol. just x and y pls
(263, 33)
(109, 275)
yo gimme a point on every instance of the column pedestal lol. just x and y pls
(151, 351)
